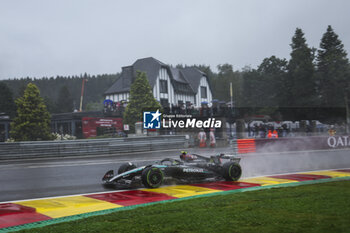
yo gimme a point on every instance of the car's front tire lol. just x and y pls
(152, 177)
(232, 171)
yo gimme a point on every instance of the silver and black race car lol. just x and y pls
(190, 168)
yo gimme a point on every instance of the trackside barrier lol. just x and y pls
(37, 149)
(292, 144)
(246, 146)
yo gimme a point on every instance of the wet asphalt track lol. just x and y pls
(37, 178)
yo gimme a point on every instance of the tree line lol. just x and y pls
(61, 94)
(311, 79)
(312, 83)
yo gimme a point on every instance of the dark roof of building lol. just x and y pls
(184, 80)
(123, 83)
(177, 75)
(150, 66)
(193, 77)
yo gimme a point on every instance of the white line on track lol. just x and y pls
(74, 195)
(288, 173)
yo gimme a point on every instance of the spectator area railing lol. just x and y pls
(41, 149)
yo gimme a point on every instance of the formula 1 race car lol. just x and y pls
(191, 168)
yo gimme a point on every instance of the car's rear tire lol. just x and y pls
(152, 177)
(232, 171)
(126, 167)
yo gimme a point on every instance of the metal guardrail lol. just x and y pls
(40, 149)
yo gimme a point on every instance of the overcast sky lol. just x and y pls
(71, 37)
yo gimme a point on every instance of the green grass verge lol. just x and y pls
(310, 208)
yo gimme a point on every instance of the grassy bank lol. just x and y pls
(309, 208)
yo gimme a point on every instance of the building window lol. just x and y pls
(203, 92)
(164, 103)
(163, 86)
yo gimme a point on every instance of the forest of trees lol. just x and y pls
(313, 84)
(62, 94)
(311, 78)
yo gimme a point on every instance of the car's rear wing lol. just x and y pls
(230, 157)
(221, 156)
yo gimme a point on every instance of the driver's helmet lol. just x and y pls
(187, 157)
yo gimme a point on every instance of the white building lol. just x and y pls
(171, 86)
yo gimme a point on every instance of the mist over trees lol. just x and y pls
(310, 78)
(312, 84)
(62, 94)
